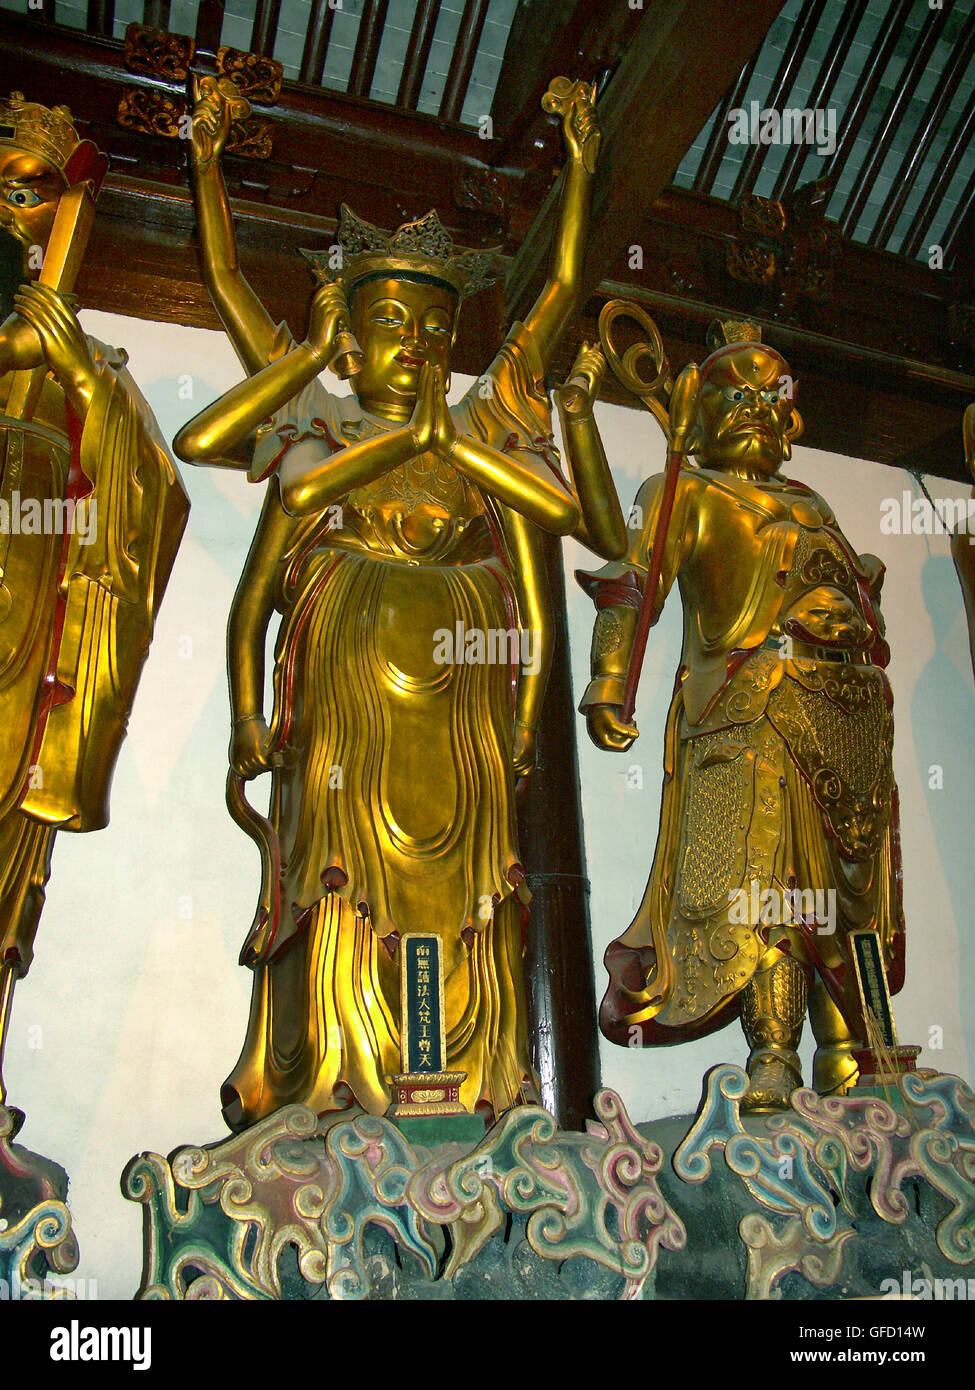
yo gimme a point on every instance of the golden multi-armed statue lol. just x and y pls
(778, 831)
(391, 520)
(84, 462)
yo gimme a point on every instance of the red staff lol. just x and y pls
(682, 405)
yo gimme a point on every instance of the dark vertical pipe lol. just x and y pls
(209, 25)
(418, 53)
(562, 1000)
(367, 42)
(101, 17)
(462, 60)
(317, 36)
(265, 27)
(156, 14)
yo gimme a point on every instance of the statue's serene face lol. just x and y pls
(743, 413)
(30, 188)
(400, 325)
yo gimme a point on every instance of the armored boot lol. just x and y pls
(834, 1069)
(773, 1006)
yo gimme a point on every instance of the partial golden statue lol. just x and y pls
(392, 522)
(91, 515)
(778, 829)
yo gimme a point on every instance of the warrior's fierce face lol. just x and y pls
(743, 411)
(30, 188)
(400, 324)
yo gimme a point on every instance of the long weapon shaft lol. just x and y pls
(683, 402)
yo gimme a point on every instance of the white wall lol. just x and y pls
(135, 1007)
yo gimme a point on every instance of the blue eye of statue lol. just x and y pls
(23, 198)
(770, 396)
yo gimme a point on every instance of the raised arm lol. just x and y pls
(312, 479)
(250, 614)
(601, 525)
(559, 298)
(246, 321)
(219, 433)
(540, 497)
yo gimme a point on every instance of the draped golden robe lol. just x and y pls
(91, 516)
(778, 767)
(393, 800)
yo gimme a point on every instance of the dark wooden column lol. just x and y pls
(562, 1002)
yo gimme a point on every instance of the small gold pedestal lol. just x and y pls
(427, 1093)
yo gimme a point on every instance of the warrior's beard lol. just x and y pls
(12, 274)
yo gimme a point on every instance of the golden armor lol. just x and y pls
(778, 830)
(91, 515)
(398, 541)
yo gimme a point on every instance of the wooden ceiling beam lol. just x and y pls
(418, 53)
(661, 95)
(462, 60)
(717, 143)
(782, 84)
(880, 145)
(543, 43)
(826, 78)
(369, 37)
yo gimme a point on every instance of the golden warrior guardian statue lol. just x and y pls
(398, 541)
(778, 829)
(91, 515)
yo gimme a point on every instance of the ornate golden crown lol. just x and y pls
(43, 130)
(422, 248)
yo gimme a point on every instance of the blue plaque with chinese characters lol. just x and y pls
(421, 998)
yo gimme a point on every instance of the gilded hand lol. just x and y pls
(582, 384)
(606, 729)
(65, 348)
(431, 425)
(524, 750)
(582, 134)
(218, 103)
(250, 753)
(329, 314)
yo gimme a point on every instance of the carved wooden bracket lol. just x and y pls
(169, 58)
(155, 53)
(788, 247)
(258, 78)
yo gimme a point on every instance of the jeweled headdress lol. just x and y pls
(722, 332)
(49, 132)
(726, 334)
(421, 248)
(44, 130)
